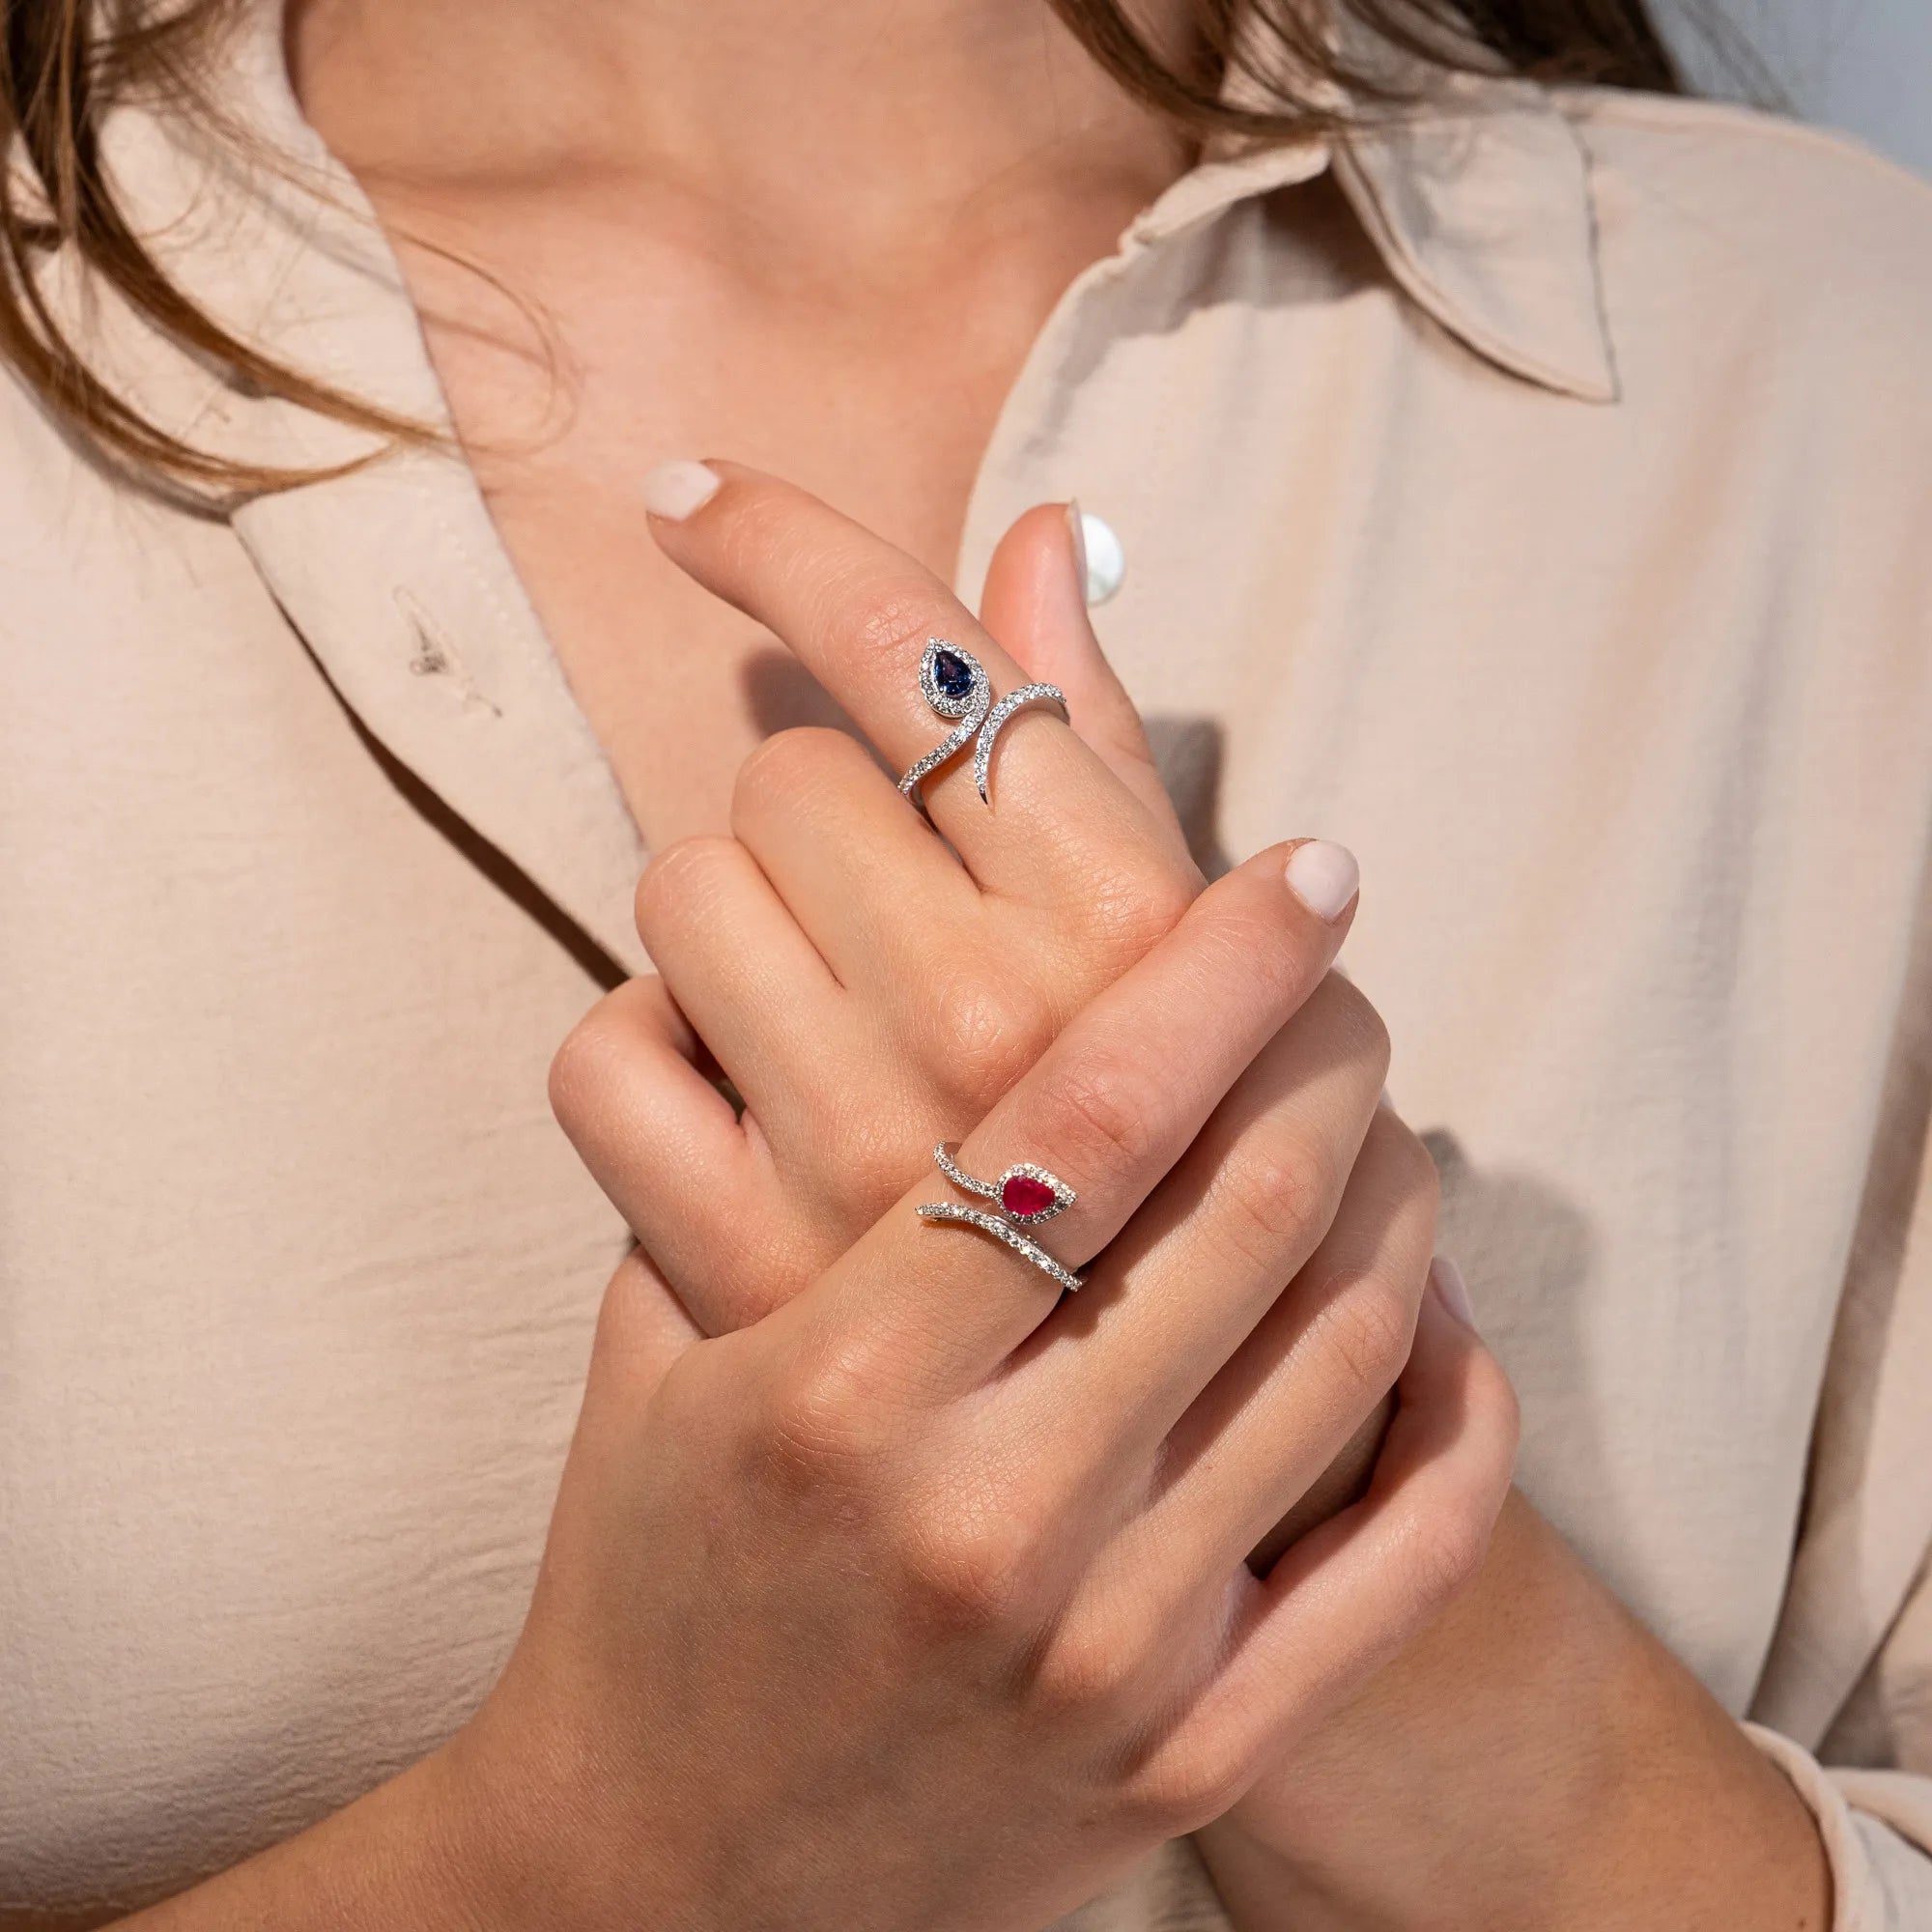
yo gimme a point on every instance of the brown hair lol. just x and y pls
(66, 63)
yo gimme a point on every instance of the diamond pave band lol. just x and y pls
(1026, 1194)
(956, 685)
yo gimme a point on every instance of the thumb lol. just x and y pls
(1034, 603)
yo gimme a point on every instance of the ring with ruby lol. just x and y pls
(1026, 1193)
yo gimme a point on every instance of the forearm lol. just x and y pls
(1535, 1760)
(411, 1853)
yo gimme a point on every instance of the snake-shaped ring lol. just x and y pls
(956, 685)
(1026, 1194)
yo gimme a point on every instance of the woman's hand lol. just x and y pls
(869, 987)
(1368, 1817)
(922, 1601)
(1537, 1760)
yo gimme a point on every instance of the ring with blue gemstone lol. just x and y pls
(956, 685)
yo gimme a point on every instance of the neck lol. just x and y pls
(898, 113)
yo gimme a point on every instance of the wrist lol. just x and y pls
(1536, 1760)
(465, 1866)
(418, 1851)
(508, 1847)
(1462, 1790)
(538, 1834)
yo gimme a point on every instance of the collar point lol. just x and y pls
(1484, 214)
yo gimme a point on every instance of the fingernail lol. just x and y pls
(674, 490)
(1454, 1290)
(1323, 877)
(1076, 531)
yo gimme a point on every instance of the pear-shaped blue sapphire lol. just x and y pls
(952, 675)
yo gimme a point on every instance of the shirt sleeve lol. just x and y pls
(1877, 1828)
(1845, 1702)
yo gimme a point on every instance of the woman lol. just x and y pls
(1516, 480)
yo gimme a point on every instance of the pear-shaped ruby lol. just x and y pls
(1022, 1194)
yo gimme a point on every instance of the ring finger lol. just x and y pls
(754, 988)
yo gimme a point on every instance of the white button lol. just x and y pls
(1106, 560)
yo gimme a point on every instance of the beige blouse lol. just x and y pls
(1537, 497)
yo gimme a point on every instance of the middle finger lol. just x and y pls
(863, 877)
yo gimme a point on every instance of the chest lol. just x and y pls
(605, 341)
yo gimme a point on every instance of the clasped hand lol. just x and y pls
(885, 1588)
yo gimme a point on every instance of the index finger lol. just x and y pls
(1105, 1112)
(859, 614)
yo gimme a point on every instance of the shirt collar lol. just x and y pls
(1484, 216)
(1479, 200)
(1481, 208)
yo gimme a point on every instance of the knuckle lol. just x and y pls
(1187, 1783)
(888, 618)
(1445, 1552)
(785, 770)
(1104, 1116)
(581, 1070)
(1367, 1327)
(1365, 1031)
(1407, 1176)
(822, 1425)
(1128, 916)
(1418, 1178)
(983, 1033)
(1274, 1201)
(680, 879)
(967, 1569)
(861, 1163)
(1088, 1671)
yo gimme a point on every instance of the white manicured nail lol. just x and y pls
(1078, 536)
(1323, 877)
(674, 490)
(1106, 558)
(1454, 1290)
